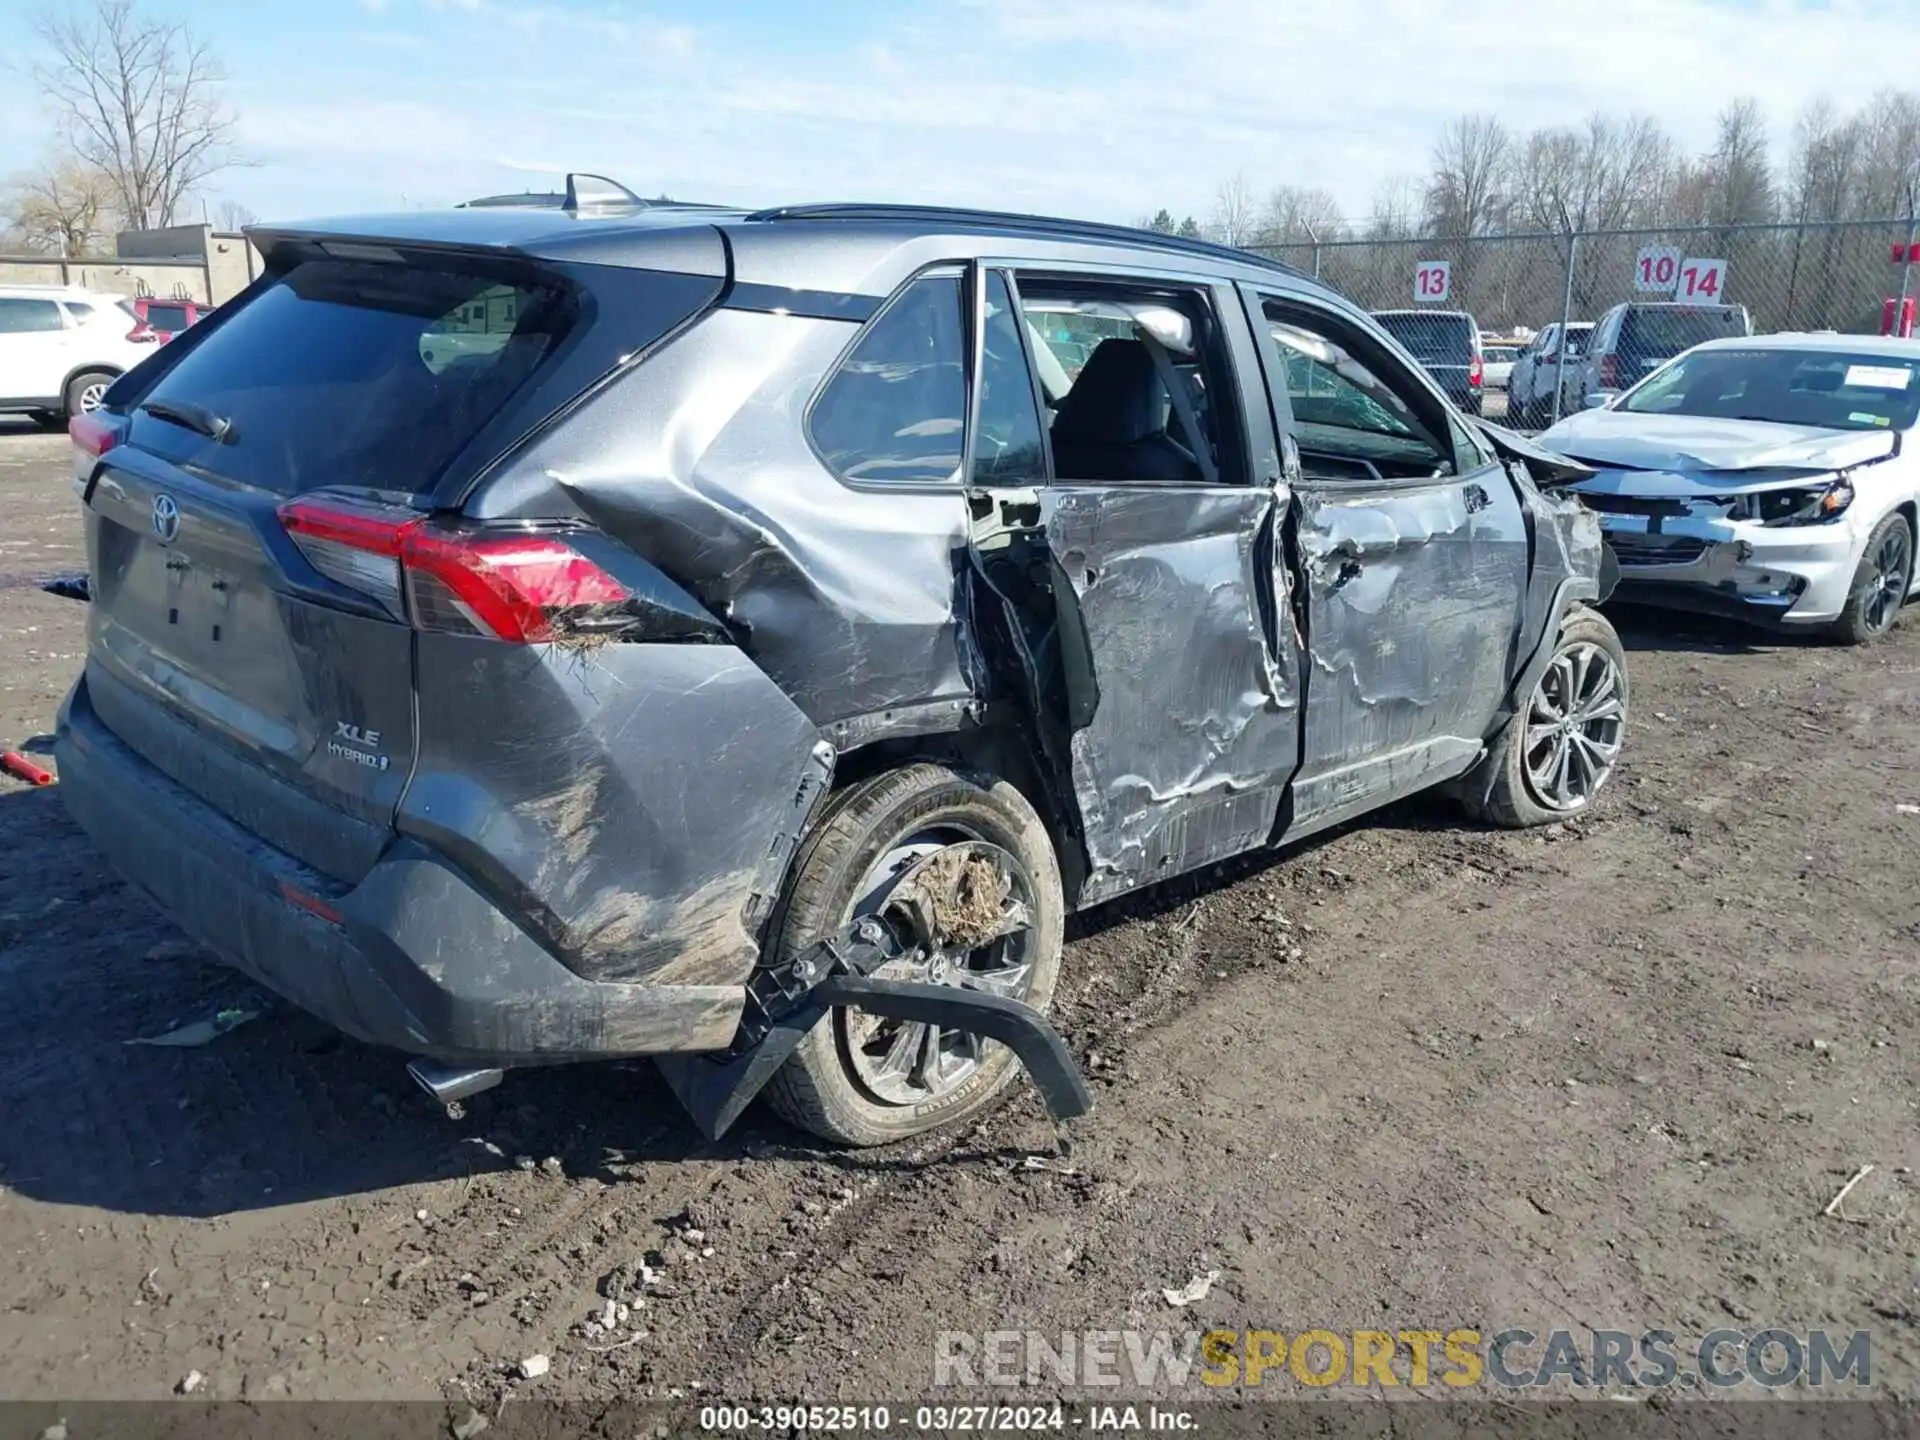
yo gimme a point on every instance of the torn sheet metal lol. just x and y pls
(844, 596)
(1184, 758)
(1413, 602)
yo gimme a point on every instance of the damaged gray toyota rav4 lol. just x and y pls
(540, 634)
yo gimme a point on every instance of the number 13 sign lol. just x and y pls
(1432, 280)
(1701, 281)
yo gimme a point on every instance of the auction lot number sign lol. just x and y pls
(1666, 270)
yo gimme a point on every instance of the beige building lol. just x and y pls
(183, 262)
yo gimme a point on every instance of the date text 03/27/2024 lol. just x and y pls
(946, 1419)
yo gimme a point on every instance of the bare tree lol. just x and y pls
(232, 215)
(140, 99)
(1470, 162)
(1234, 212)
(1741, 189)
(1295, 216)
(1607, 174)
(1892, 123)
(64, 206)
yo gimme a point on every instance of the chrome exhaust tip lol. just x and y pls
(450, 1084)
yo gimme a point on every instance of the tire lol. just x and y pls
(87, 385)
(1880, 584)
(1520, 796)
(828, 1086)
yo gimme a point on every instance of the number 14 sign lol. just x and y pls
(1701, 280)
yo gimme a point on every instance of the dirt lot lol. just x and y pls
(1415, 1075)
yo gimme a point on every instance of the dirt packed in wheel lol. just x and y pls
(966, 893)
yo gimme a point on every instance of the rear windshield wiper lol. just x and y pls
(217, 428)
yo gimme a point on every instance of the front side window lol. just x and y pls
(20, 317)
(1353, 417)
(1824, 389)
(895, 409)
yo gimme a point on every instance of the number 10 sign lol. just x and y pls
(1665, 270)
(1432, 280)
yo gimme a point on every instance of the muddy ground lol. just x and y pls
(1415, 1075)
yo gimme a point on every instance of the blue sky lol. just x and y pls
(1103, 108)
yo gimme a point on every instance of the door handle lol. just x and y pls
(1477, 498)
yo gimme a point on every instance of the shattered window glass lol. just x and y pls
(896, 408)
(1349, 410)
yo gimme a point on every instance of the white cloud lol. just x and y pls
(1108, 108)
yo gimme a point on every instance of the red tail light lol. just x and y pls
(511, 587)
(1474, 371)
(92, 437)
(1609, 372)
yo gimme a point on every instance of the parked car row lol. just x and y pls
(1765, 478)
(1601, 359)
(62, 346)
(1769, 478)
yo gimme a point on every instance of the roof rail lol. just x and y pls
(1035, 224)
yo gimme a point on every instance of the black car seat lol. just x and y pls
(1112, 424)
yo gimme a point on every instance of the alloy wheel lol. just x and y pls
(1575, 723)
(912, 1062)
(1893, 570)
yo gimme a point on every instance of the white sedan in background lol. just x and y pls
(1772, 478)
(1496, 365)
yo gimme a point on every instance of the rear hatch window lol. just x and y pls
(353, 374)
(169, 317)
(1664, 332)
(1432, 339)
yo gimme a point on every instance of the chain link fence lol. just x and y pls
(1854, 277)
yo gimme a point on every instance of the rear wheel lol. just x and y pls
(87, 391)
(861, 1080)
(1560, 750)
(1880, 584)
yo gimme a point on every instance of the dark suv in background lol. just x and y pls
(557, 633)
(1633, 340)
(1447, 345)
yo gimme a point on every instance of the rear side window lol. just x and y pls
(344, 373)
(895, 409)
(18, 317)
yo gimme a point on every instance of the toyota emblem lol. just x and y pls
(166, 518)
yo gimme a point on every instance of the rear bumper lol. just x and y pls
(420, 960)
